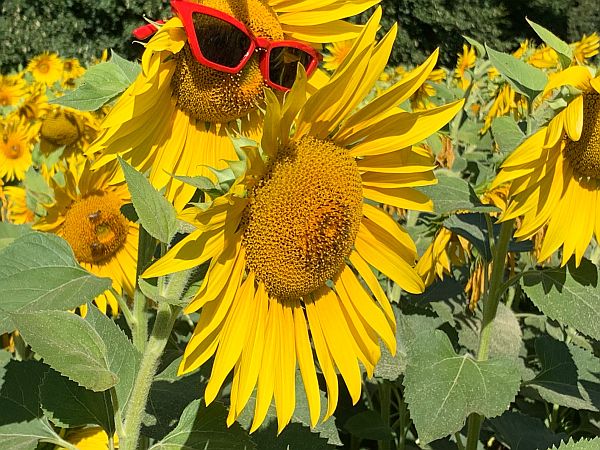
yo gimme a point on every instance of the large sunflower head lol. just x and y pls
(555, 173)
(174, 118)
(295, 237)
(86, 212)
(46, 68)
(17, 138)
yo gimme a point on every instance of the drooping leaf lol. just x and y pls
(38, 271)
(204, 427)
(521, 432)
(524, 78)
(565, 52)
(22, 424)
(442, 388)
(453, 194)
(568, 294)
(69, 345)
(70, 405)
(122, 357)
(157, 215)
(99, 85)
(558, 381)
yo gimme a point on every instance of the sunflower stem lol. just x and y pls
(139, 319)
(490, 307)
(165, 319)
(385, 402)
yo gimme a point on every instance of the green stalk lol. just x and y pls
(385, 403)
(490, 307)
(139, 320)
(165, 319)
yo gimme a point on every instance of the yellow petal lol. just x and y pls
(574, 118)
(576, 76)
(407, 198)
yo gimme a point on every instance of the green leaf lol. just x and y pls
(521, 432)
(523, 78)
(453, 194)
(294, 436)
(21, 420)
(565, 52)
(507, 133)
(204, 427)
(442, 388)
(130, 70)
(478, 46)
(38, 271)
(157, 215)
(583, 444)
(169, 395)
(369, 425)
(568, 294)
(122, 357)
(508, 337)
(69, 405)
(99, 85)
(557, 381)
(9, 232)
(68, 344)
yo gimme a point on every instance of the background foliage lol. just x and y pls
(83, 28)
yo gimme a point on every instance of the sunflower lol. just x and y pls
(16, 142)
(585, 48)
(46, 68)
(337, 54)
(16, 207)
(420, 100)
(544, 57)
(554, 174)
(86, 213)
(12, 88)
(34, 103)
(175, 117)
(67, 127)
(90, 438)
(291, 238)
(466, 60)
(72, 70)
(506, 101)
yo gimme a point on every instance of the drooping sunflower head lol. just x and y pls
(46, 68)
(69, 128)
(17, 138)
(86, 212)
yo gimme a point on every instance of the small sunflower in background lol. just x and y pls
(337, 52)
(72, 70)
(86, 212)
(17, 138)
(15, 205)
(46, 68)
(12, 88)
(466, 60)
(585, 48)
(34, 104)
(421, 99)
(554, 174)
(175, 117)
(294, 238)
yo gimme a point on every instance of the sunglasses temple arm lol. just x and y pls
(145, 31)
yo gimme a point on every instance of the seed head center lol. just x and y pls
(303, 217)
(95, 228)
(584, 154)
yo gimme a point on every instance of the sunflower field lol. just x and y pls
(266, 233)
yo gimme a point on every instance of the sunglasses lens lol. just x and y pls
(220, 42)
(283, 62)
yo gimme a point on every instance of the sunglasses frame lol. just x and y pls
(185, 11)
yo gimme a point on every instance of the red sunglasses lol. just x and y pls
(223, 43)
